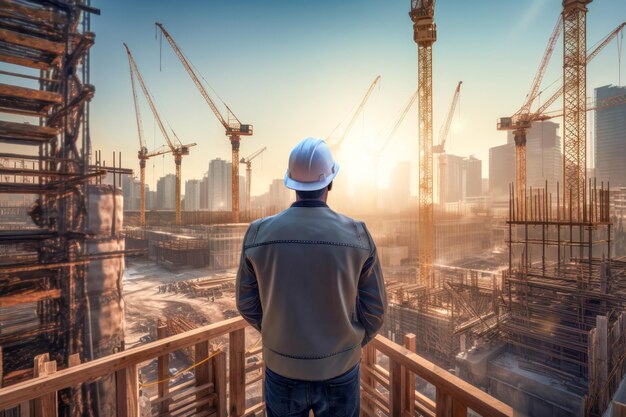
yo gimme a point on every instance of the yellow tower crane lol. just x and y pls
(522, 120)
(425, 34)
(177, 150)
(234, 128)
(143, 153)
(248, 162)
(443, 136)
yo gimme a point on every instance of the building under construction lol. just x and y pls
(62, 252)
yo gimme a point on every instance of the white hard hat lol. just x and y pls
(311, 166)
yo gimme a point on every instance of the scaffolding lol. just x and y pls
(565, 294)
(61, 259)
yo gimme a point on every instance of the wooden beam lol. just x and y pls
(127, 392)
(26, 132)
(203, 371)
(28, 297)
(395, 388)
(31, 14)
(163, 366)
(236, 372)
(17, 92)
(472, 397)
(219, 367)
(408, 396)
(89, 371)
(45, 405)
(33, 42)
(25, 62)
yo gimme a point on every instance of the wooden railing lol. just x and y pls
(391, 392)
(388, 392)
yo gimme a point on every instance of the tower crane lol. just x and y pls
(143, 153)
(177, 150)
(443, 136)
(522, 120)
(425, 34)
(234, 128)
(248, 161)
(337, 144)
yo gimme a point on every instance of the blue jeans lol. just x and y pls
(336, 397)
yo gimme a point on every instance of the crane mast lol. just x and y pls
(443, 136)
(521, 121)
(248, 162)
(233, 127)
(574, 105)
(425, 34)
(178, 151)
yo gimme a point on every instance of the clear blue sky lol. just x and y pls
(297, 68)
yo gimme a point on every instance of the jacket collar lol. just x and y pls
(309, 203)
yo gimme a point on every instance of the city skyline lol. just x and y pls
(304, 85)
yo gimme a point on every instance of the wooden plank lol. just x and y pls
(31, 14)
(203, 371)
(368, 359)
(18, 132)
(45, 405)
(33, 42)
(127, 392)
(254, 409)
(163, 366)
(219, 366)
(236, 372)
(28, 297)
(472, 397)
(443, 403)
(25, 62)
(395, 388)
(458, 409)
(188, 408)
(408, 396)
(15, 394)
(17, 92)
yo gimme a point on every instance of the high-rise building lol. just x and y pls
(471, 177)
(219, 186)
(462, 178)
(544, 160)
(279, 196)
(204, 192)
(192, 194)
(130, 190)
(166, 192)
(610, 138)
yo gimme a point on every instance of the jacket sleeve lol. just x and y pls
(372, 298)
(247, 290)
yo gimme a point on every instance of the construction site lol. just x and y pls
(497, 305)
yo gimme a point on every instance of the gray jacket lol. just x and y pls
(310, 281)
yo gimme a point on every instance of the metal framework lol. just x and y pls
(574, 104)
(234, 128)
(425, 34)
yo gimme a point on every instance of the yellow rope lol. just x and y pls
(150, 384)
(255, 345)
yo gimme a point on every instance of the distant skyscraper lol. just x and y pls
(453, 179)
(204, 193)
(130, 190)
(219, 193)
(610, 138)
(543, 160)
(471, 177)
(462, 178)
(219, 186)
(166, 192)
(279, 196)
(192, 194)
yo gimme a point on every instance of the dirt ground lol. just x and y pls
(145, 304)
